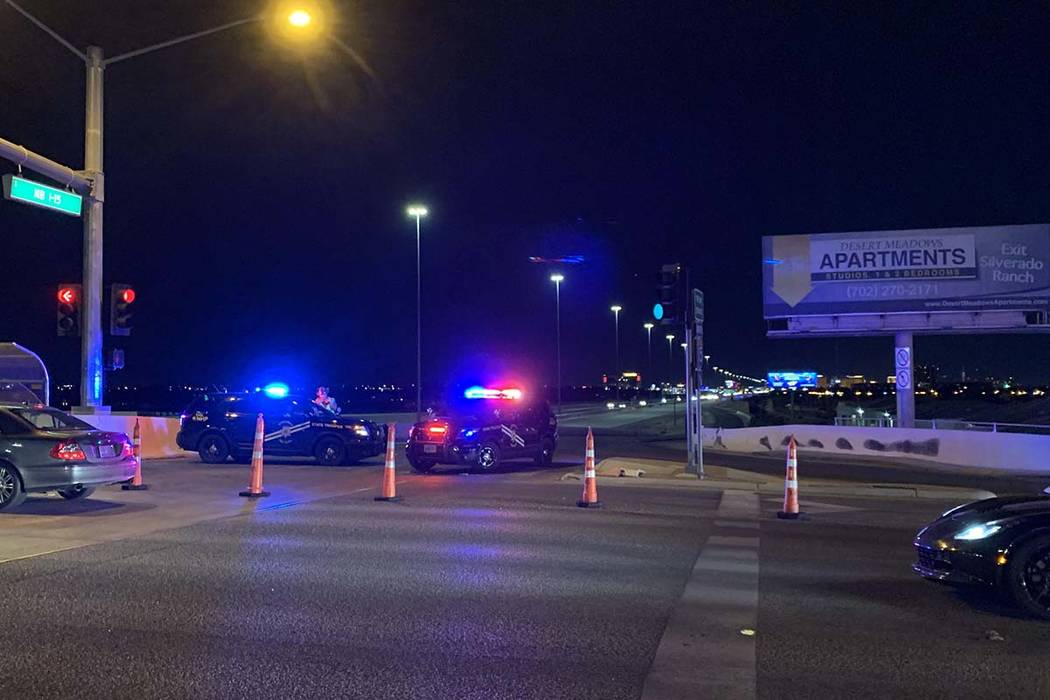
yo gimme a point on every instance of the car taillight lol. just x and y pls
(128, 450)
(68, 450)
(437, 429)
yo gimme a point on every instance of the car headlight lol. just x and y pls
(977, 532)
(361, 431)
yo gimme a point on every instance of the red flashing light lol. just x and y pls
(128, 295)
(67, 295)
(69, 451)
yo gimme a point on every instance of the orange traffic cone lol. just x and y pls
(136, 450)
(389, 475)
(790, 511)
(590, 482)
(255, 489)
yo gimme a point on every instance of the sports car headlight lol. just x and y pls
(361, 431)
(977, 532)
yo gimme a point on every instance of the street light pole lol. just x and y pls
(91, 334)
(670, 357)
(616, 309)
(649, 341)
(557, 279)
(418, 211)
(91, 365)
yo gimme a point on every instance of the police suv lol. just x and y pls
(219, 426)
(490, 426)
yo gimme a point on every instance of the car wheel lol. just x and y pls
(330, 452)
(11, 493)
(213, 449)
(546, 454)
(76, 493)
(1028, 577)
(488, 457)
(421, 465)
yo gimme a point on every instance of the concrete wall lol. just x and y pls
(158, 434)
(1001, 451)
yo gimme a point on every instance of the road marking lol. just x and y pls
(50, 551)
(703, 652)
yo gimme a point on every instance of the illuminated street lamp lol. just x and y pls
(616, 309)
(670, 355)
(418, 211)
(557, 279)
(649, 341)
(89, 181)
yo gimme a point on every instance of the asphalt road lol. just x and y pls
(491, 586)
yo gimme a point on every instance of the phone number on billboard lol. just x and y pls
(891, 291)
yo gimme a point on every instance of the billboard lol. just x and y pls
(791, 380)
(988, 268)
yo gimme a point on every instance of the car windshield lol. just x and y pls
(50, 419)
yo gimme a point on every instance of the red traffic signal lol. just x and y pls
(127, 295)
(121, 310)
(67, 295)
(68, 316)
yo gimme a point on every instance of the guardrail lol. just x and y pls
(947, 424)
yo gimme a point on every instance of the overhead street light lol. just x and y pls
(670, 355)
(418, 211)
(616, 309)
(649, 340)
(298, 22)
(557, 278)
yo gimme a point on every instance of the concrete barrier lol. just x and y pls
(1011, 452)
(158, 434)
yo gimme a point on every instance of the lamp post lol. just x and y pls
(616, 309)
(649, 341)
(557, 278)
(418, 211)
(670, 356)
(91, 179)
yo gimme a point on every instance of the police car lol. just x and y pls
(219, 426)
(489, 427)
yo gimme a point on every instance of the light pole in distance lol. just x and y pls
(557, 278)
(418, 211)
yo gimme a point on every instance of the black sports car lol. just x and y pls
(218, 426)
(1003, 543)
(484, 432)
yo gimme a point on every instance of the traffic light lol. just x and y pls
(671, 300)
(68, 309)
(121, 301)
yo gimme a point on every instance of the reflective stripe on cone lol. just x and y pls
(136, 451)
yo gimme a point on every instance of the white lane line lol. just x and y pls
(703, 653)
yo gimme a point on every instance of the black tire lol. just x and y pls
(545, 456)
(213, 449)
(1028, 577)
(12, 494)
(76, 493)
(488, 458)
(330, 452)
(421, 465)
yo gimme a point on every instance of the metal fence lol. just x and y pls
(882, 421)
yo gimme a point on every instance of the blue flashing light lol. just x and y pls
(658, 311)
(276, 390)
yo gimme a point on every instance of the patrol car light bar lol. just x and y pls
(480, 392)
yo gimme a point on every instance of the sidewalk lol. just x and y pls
(638, 471)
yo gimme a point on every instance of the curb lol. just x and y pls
(891, 491)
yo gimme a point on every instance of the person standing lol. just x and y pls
(324, 400)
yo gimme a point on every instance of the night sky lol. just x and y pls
(255, 195)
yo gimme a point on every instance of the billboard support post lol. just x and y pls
(903, 355)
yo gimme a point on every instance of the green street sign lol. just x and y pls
(18, 189)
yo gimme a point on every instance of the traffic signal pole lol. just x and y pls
(91, 366)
